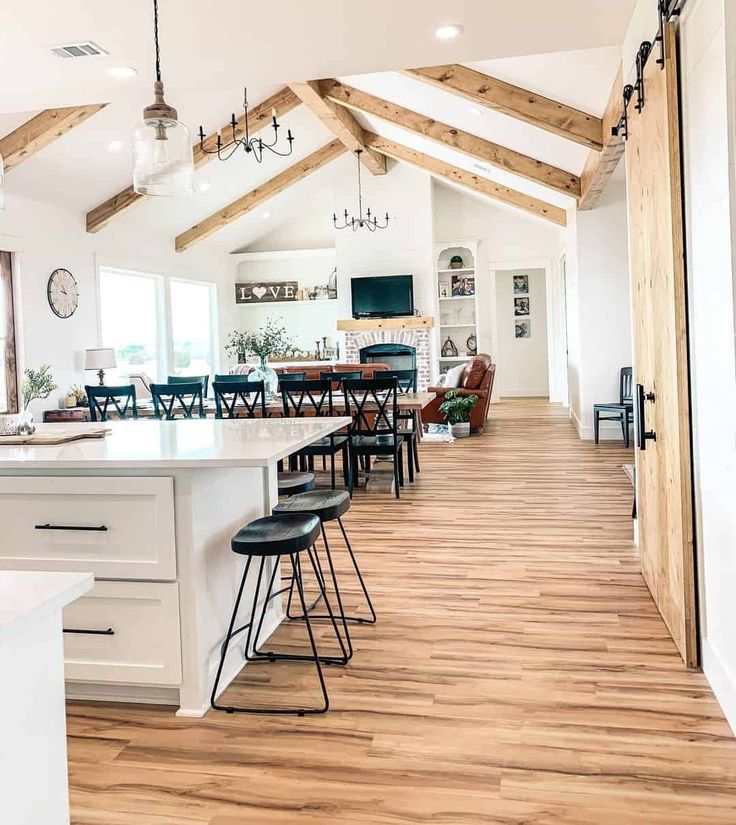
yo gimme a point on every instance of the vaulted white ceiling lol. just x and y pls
(567, 50)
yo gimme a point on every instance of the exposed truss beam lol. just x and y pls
(340, 122)
(600, 166)
(257, 196)
(516, 102)
(486, 187)
(41, 130)
(259, 117)
(469, 144)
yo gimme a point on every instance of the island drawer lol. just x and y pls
(116, 528)
(124, 632)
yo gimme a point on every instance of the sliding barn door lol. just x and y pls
(660, 348)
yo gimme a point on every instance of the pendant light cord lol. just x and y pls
(155, 38)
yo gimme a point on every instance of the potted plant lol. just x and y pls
(456, 409)
(37, 385)
(272, 339)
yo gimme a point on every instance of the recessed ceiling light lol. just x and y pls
(474, 110)
(448, 32)
(122, 72)
(204, 186)
(114, 145)
(266, 215)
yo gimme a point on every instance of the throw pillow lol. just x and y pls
(473, 374)
(453, 376)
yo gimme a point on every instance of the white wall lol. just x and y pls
(709, 136)
(509, 239)
(44, 238)
(522, 367)
(599, 307)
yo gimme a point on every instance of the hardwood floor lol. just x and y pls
(519, 672)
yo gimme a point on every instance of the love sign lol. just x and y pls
(266, 293)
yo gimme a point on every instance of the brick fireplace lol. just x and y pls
(411, 332)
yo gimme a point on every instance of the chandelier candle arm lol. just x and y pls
(369, 222)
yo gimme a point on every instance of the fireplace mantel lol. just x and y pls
(408, 322)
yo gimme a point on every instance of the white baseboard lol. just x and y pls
(722, 682)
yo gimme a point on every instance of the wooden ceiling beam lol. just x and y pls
(259, 117)
(341, 123)
(600, 166)
(41, 130)
(477, 147)
(515, 102)
(438, 168)
(246, 203)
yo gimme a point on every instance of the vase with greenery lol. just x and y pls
(37, 385)
(270, 340)
(456, 409)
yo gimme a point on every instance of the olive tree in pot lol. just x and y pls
(456, 409)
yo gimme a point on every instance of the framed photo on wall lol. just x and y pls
(522, 329)
(521, 284)
(521, 306)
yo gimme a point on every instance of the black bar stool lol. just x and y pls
(293, 483)
(328, 505)
(274, 537)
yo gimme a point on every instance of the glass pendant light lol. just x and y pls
(2, 184)
(163, 163)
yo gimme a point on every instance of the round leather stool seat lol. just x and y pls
(328, 505)
(291, 484)
(277, 535)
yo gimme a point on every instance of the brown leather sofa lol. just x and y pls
(477, 379)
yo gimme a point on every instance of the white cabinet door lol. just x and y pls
(116, 528)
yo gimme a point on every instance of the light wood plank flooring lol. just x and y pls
(519, 672)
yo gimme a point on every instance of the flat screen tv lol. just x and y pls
(382, 296)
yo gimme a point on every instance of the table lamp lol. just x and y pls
(100, 359)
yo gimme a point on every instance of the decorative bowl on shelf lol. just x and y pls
(456, 262)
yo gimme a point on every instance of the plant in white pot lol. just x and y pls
(456, 409)
(37, 386)
(272, 339)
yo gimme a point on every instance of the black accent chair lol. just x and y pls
(407, 382)
(230, 378)
(274, 537)
(285, 377)
(372, 403)
(184, 398)
(337, 378)
(239, 399)
(188, 379)
(622, 412)
(314, 398)
(105, 400)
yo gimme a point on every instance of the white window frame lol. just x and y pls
(214, 328)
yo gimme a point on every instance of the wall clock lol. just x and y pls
(63, 293)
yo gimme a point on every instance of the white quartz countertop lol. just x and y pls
(26, 596)
(190, 443)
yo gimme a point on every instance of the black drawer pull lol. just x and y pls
(101, 529)
(108, 632)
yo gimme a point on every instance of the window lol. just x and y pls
(192, 327)
(8, 375)
(130, 313)
(154, 333)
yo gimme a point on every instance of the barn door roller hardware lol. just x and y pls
(641, 61)
(621, 129)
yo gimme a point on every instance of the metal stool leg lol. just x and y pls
(368, 601)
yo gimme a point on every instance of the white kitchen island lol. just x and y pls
(150, 510)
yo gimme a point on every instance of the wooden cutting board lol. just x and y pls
(54, 434)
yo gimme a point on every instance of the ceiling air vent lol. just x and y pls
(86, 49)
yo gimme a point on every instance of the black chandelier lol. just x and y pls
(368, 221)
(251, 145)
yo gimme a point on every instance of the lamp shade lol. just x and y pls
(100, 359)
(162, 158)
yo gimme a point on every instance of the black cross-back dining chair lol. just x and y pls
(188, 379)
(314, 398)
(103, 401)
(372, 403)
(623, 412)
(229, 378)
(337, 378)
(239, 399)
(407, 382)
(185, 399)
(285, 377)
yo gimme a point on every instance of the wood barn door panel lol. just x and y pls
(660, 348)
